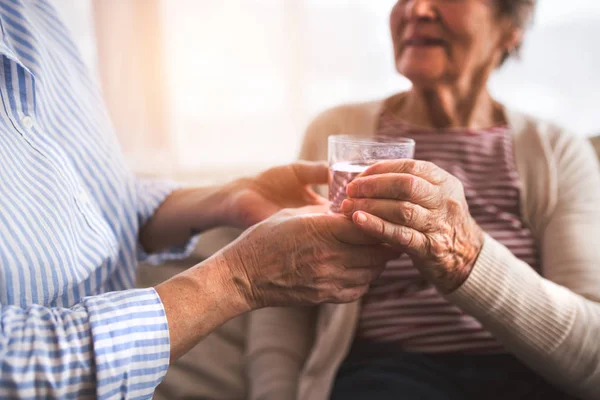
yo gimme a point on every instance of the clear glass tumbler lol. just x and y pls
(349, 156)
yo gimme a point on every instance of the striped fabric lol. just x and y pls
(403, 308)
(70, 211)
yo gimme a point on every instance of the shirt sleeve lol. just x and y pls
(552, 323)
(114, 345)
(150, 194)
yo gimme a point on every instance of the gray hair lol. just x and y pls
(520, 13)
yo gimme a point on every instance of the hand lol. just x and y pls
(304, 257)
(252, 200)
(420, 209)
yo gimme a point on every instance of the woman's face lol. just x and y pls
(446, 41)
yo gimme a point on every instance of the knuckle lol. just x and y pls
(411, 166)
(428, 166)
(406, 237)
(409, 183)
(438, 249)
(326, 290)
(406, 213)
(425, 164)
(392, 232)
(454, 207)
(382, 228)
(322, 296)
(353, 294)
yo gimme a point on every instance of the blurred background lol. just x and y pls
(208, 90)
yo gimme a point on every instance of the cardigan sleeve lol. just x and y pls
(551, 322)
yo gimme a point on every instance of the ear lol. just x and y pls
(512, 39)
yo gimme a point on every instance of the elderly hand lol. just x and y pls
(251, 200)
(304, 257)
(421, 210)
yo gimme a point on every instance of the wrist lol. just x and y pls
(457, 273)
(235, 278)
(208, 209)
(196, 302)
(226, 288)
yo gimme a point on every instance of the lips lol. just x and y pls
(423, 41)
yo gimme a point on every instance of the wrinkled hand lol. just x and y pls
(420, 209)
(304, 257)
(252, 200)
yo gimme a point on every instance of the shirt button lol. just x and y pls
(83, 198)
(27, 122)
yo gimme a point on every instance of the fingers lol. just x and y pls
(349, 295)
(397, 212)
(395, 186)
(422, 169)
(410, 240)
(366, 256)
(349, 284)
(353, 277)
(311, 173)
(343, 230)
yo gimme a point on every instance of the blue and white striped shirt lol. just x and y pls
(70, 212)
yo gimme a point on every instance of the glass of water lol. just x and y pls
(349, 156)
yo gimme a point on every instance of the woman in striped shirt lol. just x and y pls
(464, 314)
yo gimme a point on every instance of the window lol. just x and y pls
(254, 72)
(245, 77)
(558, 75)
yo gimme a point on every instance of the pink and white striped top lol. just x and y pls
(404, 309)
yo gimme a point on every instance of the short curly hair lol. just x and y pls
(521, 14)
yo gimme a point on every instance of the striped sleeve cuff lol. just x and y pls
(517, 305)
(131, 342)
(151, 194)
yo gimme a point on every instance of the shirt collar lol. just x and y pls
(6, 48)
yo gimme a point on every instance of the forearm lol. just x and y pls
(185, 213)
(544, 324)
(198, 301)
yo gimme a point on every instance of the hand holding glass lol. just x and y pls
(349, 156)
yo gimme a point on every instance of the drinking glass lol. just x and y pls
(349, 156)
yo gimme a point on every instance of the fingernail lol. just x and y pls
(361, 218)
(352, 190)
(347, 206)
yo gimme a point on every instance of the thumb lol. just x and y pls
(311, 173)
(308, 210)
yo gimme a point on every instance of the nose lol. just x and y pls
(420, 10)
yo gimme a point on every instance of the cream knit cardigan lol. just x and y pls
(552, 323)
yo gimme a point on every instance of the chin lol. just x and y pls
(422, 75)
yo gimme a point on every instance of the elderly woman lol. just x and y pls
(497, 294)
